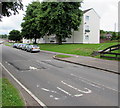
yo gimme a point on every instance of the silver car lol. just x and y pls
(15, 45)
(19, 45)
(23, 46)
(33, 48)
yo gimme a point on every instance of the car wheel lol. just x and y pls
(31, 51)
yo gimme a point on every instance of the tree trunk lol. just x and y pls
(59, 39)
(35, 42)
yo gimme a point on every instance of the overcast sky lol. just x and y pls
(106, 9)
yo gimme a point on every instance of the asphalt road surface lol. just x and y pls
(58, 83)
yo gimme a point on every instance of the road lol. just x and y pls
(58, 83)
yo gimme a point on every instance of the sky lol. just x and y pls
(106, 9)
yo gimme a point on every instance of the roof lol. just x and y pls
(85, 11)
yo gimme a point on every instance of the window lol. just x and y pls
(86, 37)
(87, 18)
(87, 27)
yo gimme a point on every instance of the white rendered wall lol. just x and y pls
(94, 27)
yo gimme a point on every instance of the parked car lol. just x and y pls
(33, 48)
(15, 45)
(19, 46)
(1, 42)
(24, 46)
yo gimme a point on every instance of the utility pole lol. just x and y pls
(115, 27)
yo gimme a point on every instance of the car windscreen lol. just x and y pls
(35, 46)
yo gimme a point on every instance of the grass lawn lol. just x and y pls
(8, 44)
(63, 56)
(77, 49)
(10, 95)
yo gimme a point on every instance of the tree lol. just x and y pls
(15, 35)
(60, 18)
(29, 26)
(3, 36)
(114, 36)
(10, 7)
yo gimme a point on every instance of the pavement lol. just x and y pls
(106, 65)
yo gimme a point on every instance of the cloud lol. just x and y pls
(10, 23)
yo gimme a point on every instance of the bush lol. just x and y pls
(102, 37)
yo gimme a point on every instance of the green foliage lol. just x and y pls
(15, 35)
(102, 37)
(102, 31)
(29, 26)
(114, 36)
(60, 18)
(4, 36)
(10, 7)
(10, 95)
(47, 18)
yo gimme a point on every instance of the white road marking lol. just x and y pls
(49, 90)
(38, 85)
(45, 89)
(64, 91)
(51, 96)
(78, 95)
(53, 91)
(28, 91)
(56, 98)
(84, 79)
(88, 90)
(7, 63)
(32, 68)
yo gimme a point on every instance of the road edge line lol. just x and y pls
(28, 91)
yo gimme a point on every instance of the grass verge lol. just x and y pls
(8, 44)
(77, 49)
(10, 95)
(62, 56)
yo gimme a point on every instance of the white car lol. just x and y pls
(33, 48)
(1, 42)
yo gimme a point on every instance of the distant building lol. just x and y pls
(89, 31)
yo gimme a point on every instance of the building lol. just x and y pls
(89, 31)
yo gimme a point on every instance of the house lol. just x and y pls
(88, 32)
